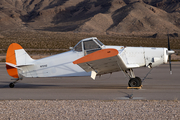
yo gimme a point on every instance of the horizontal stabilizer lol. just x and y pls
(18, 66)
(28, 64)
(11, 65)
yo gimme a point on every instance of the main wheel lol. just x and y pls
(134, 82)
(11, 85)
(140, 81)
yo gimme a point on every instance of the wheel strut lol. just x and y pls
(11, 85)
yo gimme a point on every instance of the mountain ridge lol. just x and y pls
(133, 17)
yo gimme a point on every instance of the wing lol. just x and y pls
(100, 62)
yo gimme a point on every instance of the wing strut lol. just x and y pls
(93, 72)
(93, 75)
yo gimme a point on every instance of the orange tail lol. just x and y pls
(11, 58)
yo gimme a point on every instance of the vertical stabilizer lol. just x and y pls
(16, 56)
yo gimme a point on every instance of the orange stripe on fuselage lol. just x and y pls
(11, 58)
(101, 54)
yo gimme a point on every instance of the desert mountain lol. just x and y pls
(136, 17)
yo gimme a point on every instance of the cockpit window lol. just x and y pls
(78, 47)
(90, 44)
(99, 42)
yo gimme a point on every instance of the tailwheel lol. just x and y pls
(135, 82)
(11, 85)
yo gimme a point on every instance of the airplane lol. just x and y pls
(89, 57)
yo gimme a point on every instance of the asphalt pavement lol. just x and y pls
(158, 85)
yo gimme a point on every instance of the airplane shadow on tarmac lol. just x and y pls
(41, 86)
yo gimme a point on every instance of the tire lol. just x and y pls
(11, 85)
(140, 81)
(134, 82)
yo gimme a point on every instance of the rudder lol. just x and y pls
(16, 56)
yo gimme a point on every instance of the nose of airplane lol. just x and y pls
(170, 52)
(167, 53)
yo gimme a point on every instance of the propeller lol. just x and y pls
(169, 54)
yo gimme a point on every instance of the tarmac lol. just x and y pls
(157, 85)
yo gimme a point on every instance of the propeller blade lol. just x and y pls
(170, 64)
(169, 52)
(168, 43)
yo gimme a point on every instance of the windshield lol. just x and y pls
(90, 44)
(99, 42)
(78, 47)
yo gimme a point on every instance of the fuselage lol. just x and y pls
(61, 65)
(89, 57)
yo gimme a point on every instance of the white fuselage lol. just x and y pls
(61, 65)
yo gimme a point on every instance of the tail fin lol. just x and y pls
(16, 56)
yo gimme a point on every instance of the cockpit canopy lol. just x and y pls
(88, 45)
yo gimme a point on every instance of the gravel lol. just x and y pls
(89, 109)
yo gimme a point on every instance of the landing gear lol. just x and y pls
(139, 79)
(11, 85)
(134, 81)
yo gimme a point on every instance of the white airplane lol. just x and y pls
(89, 57)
